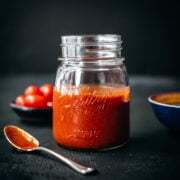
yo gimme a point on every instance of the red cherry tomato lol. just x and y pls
(47, 91)
(35, 101)
(20, 100)
(32, 89)
(49, 104)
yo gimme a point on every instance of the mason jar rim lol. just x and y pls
(97, 46)
(90, 39)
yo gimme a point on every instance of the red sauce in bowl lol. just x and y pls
(172, 98)
(91, 117)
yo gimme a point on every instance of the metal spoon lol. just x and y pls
(23, 141)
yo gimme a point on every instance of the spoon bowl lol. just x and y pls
(24, 141)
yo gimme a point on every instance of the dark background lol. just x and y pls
(30, 32)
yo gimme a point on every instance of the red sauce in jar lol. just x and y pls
(91, 117)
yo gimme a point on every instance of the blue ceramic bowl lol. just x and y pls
(166, 107)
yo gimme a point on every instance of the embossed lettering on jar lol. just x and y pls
(92, 93)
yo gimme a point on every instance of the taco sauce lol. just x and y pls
(20, 138)
(91, 117)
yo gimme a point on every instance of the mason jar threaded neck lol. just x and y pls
(91, 47)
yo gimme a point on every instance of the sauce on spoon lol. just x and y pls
(20, 138)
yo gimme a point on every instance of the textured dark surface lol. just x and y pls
(152, 152)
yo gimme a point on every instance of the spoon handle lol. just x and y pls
(74, 165)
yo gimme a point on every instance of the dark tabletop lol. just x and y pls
(152, 152)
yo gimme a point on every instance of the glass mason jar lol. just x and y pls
(91, 94)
